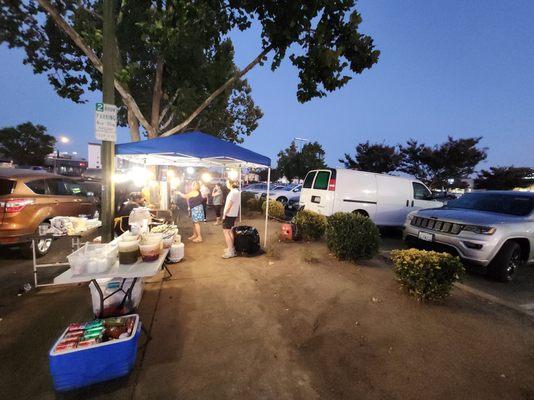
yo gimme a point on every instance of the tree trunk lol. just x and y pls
(133, 123)
(212, 97)
(157, 94)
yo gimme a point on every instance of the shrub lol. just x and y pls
(310, 225)
(249, 201)
(276, 209)
(427, 275)
(352, 236)
(252, 204)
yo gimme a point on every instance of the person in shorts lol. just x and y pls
(230, 213)
(194, 197)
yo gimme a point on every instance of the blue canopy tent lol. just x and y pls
(195, 149)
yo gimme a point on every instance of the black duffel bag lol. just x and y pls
(246, 239)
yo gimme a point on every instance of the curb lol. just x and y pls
(385, 256)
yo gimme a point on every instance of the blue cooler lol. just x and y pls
(100, 362)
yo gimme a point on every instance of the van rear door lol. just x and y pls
(318, 191)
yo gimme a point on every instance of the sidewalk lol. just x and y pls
(285, 329)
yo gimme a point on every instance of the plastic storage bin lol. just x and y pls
(93, 258)
(101, 362)
(112, 304)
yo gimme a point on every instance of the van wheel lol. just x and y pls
(363, 213)
(506, 263)
(42, 246)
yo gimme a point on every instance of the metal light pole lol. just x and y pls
(107, 149)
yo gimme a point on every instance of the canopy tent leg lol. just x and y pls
(267, 206)
(240, 194)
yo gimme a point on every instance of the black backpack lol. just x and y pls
(246, 239)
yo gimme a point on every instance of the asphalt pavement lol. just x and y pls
(518, 294)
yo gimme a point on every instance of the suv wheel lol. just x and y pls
(42, 246)
(505, 264)
(282, 200)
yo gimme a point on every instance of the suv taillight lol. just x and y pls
(332, 184)
(16, 205)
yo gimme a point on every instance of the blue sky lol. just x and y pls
(460, 68)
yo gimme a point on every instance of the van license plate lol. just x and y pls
(429, 237)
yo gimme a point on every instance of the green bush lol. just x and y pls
(249, 201)
(276, 209)
(252, 205)
(352, 236)
(427, 275)
(310, 225)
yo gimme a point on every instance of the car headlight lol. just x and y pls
(410, 216)
(481, 230)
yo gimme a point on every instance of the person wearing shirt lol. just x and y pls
(216, 196)
(195, 199)
(230, 213)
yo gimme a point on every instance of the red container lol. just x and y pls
(286, 232)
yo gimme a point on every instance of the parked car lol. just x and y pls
(385, 199)
(260, 189)
(494, 229)
(256, 188)
(284, 193)
(29, 199)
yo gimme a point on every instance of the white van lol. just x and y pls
(385, 199)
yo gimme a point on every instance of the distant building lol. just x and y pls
(65, 164)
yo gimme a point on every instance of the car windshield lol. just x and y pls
(510, 204)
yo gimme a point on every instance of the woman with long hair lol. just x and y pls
(194, 197)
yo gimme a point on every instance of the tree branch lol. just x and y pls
(168, 106)
(168, 122)
(157, 94)
(221, 89)
(78, 41)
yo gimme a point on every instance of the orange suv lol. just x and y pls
(29, 199)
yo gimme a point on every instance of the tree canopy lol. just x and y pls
(452, 160)
(295, 163)
(175, 60)
(505, 178)
(26, 144)
(379, 158)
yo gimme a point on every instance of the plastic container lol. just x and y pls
(168, 240)
(93, 258)
(76, 368)
(150, 252)
(176, 253)
(112, 304)
(129, 237)
(150, 237)
(128, 251)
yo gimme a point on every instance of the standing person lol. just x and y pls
(205, 192)
(194, 199)
(231, 211)
(216, 196)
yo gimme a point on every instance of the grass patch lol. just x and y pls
(273, 249)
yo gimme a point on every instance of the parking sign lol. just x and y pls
(106, 122)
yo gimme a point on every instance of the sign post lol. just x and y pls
(106, 123)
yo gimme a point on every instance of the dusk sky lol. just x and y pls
(460, 68)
